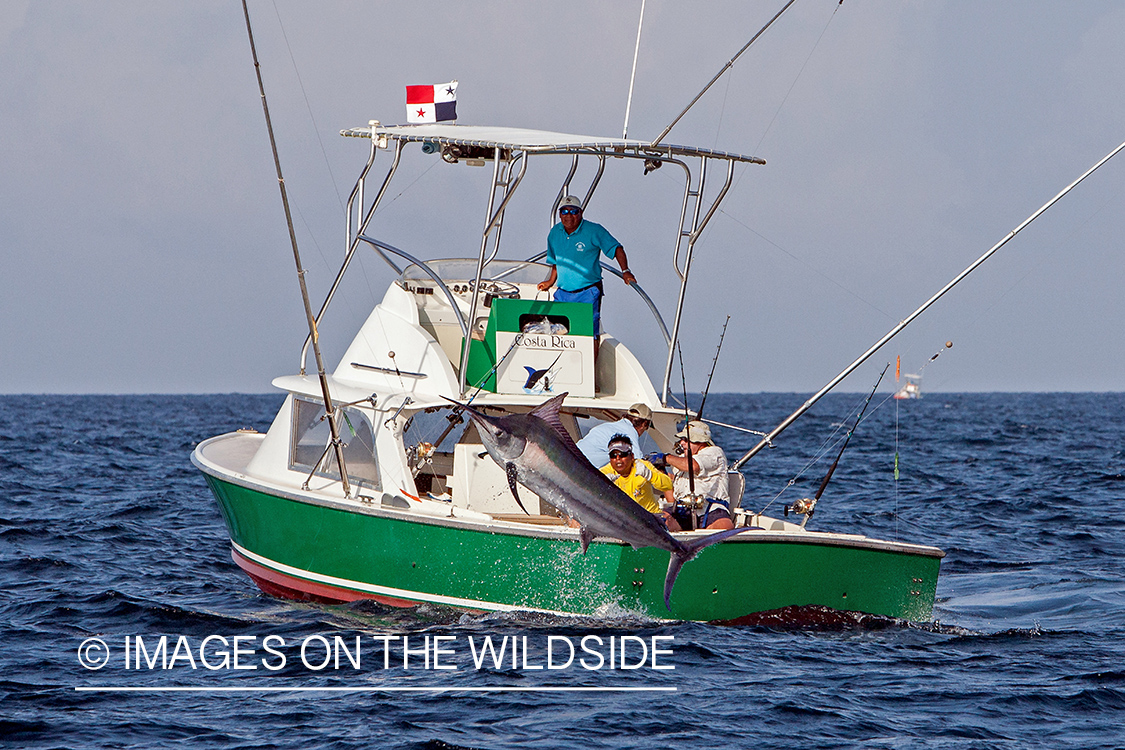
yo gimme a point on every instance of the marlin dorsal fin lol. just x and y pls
(548, 411)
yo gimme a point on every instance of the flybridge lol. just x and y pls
(509, 150)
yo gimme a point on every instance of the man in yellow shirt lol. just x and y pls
(637, 478)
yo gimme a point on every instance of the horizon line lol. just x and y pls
(372, 689)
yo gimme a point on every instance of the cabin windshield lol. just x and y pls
(311, 436)
(465, 269)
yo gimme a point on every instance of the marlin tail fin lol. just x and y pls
(690, 550)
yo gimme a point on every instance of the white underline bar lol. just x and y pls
(439, 689)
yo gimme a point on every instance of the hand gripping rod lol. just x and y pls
(891, 334)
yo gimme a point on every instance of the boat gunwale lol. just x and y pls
(514, 528)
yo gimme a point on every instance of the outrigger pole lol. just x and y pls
(330, 412)
(718, 75)
(894, 331)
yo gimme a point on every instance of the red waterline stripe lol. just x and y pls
(278, 584)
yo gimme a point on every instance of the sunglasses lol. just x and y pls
(569, 211)
(620, 454)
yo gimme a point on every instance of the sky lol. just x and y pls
(144, 246)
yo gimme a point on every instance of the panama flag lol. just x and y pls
(431, 103)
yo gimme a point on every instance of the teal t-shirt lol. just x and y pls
(576, 255)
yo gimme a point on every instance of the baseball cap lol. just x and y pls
(572, 202)
(700, 432)
(639, 411)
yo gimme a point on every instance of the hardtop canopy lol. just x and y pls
(535, 141)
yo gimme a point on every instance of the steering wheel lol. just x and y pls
(497, 288)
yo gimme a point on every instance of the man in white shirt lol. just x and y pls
(709, 468)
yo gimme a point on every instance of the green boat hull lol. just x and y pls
(298, 548)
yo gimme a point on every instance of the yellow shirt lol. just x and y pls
(639, 486)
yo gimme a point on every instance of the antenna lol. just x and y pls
(633, 75)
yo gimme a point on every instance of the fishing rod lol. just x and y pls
(715, 361)
(687, 432)
(807, 506)
(894, 331)
(719, 75)
(329, 410)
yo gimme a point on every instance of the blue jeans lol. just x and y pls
(591, 295)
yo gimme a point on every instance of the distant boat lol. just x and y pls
(912, 388)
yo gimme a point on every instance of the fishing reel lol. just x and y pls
(694, 503)
(418, 455)
(806, 506)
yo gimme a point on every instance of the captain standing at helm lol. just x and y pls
(574, 249)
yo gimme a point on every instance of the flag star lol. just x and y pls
(421, 113)
(449, 90)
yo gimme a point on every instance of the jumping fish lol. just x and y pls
(536, 450)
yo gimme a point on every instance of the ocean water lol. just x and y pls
(108, 532)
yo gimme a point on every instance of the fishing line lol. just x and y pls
(327, 162)
(401, 192)
(308, 106)
(799, 72)
(809, 266)
(722, 109)
(829, 444)
(722, 70)
(826, 446)
(896, 469)
(977, 321)
(347, 300)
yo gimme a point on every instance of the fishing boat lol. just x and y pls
(911, 388)
(394, 498)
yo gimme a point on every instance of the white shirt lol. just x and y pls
(711, 479)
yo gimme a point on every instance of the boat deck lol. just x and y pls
(234, 454)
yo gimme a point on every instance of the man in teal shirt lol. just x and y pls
(574, 249)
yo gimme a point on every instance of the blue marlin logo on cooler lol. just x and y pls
(538, 381)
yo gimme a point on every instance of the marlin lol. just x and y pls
(535, 450)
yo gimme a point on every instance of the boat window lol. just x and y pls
(461, 269)
(311, 437)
